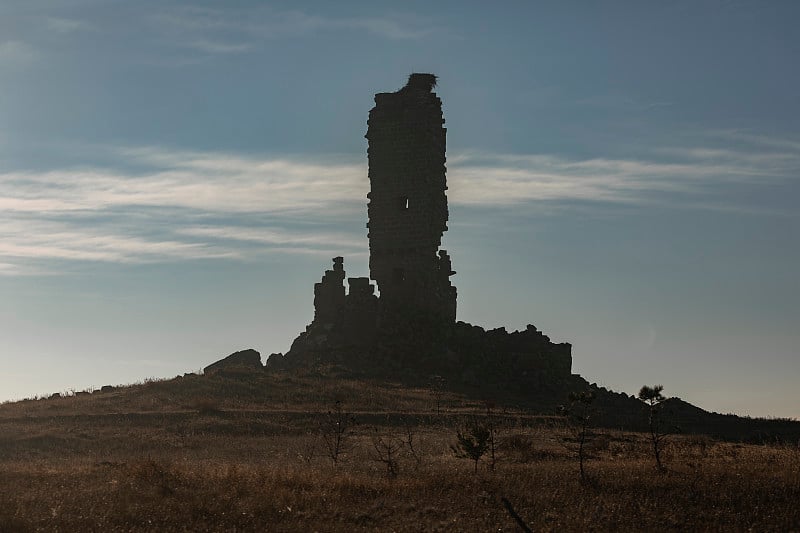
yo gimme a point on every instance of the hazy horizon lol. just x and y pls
(174, 179)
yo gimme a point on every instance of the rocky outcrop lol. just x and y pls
(244, 359)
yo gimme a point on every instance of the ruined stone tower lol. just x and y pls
(410, 330)
(407, 201)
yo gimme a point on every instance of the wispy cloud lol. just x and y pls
(66, 25)
(66, 240)
(203, 181)
(66, 215)
(390, 28)
(656, 105)
(172, 34)
(160, 205)
(218, 31)
(765, 141)
(216, 47)
(280, 237)
(14, 52)
(10, 269)
(621, 102)
(480, 179)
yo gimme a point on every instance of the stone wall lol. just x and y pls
(329, 295)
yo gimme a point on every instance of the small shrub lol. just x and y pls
(411, 442)
(386, 450)
(335, 430)
(154, 474)
(473, 442)
(579, 414)
(437, 386)
(518, 447)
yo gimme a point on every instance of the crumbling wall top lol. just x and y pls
(421, 82)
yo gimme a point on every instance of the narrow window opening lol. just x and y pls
(403, 203)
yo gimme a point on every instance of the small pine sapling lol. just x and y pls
(473, 442)
(580, 413)
(491, 425)
(654, 399)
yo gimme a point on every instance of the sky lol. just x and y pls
(176, 176)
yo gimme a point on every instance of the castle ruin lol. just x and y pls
(409, 332)
(410, 329)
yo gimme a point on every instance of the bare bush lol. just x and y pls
(335, 430)
(579, 414)
(386, 450)
(437, 386)
(411, 442)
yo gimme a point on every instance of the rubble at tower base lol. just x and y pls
(363, 338)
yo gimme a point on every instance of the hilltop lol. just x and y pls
(245, 450)
(304, 391)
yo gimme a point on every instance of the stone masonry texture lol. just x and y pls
(407, 201)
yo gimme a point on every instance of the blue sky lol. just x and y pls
(175, 177)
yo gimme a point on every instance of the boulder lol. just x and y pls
(242, 359)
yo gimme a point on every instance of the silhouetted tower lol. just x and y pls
(408, 205)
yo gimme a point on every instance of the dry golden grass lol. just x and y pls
(157, 458)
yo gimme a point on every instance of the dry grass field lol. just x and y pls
(235, 453)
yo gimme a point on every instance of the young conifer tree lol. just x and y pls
(654, 399)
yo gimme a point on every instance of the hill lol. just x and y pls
(252, 451)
